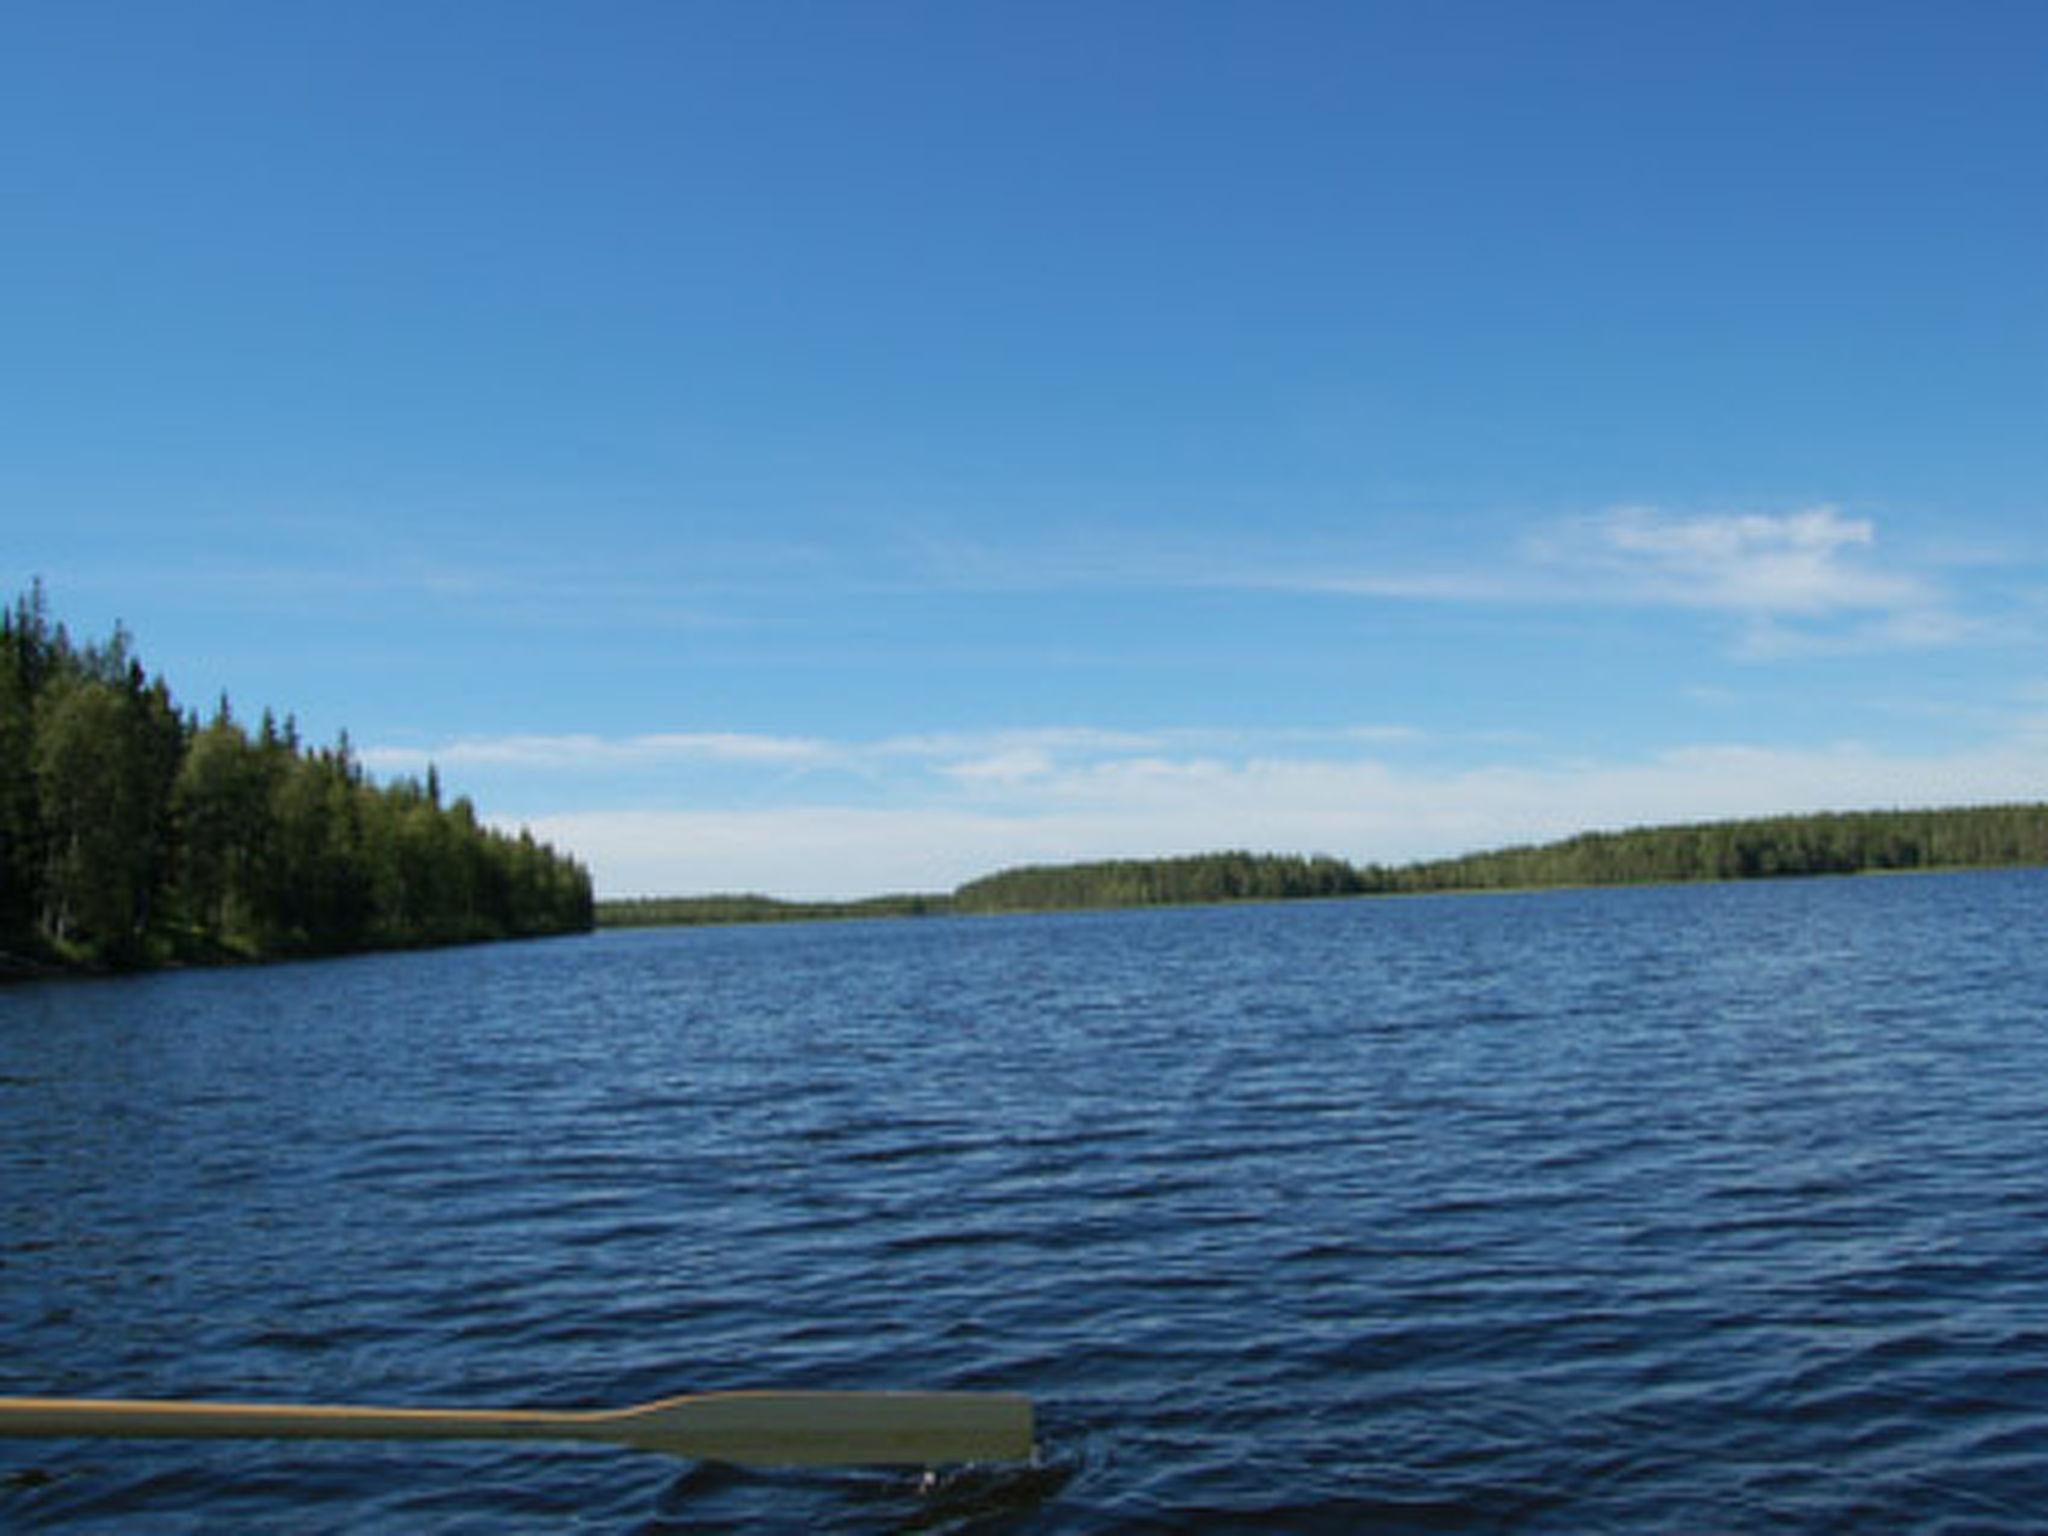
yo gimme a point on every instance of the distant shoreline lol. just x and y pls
(1779, 847)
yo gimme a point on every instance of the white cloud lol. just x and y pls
(1805, 564)
(1405, 586)
(1810, 581)
(1745, 561)
(1057, 740)
(1011, 767)
(992, 756)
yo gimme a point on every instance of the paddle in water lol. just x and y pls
(782, 1429)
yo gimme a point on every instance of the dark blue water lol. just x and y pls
(1689, 1209)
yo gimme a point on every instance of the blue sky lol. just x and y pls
(834, 448)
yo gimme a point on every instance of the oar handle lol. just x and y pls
(756, 1428)
(133, 1419)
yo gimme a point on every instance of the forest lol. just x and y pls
(134, 834)
(1201, 877)
(1830, 843)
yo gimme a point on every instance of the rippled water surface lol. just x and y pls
(1681, 1209)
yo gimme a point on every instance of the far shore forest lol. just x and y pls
(133, 834)
(1833, 843)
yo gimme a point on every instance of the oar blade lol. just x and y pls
(793, 1429)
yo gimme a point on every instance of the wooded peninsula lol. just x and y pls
(132, 835)
(1835, 843)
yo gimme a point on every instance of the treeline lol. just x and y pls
(1202, 877)
(1828, 843)
(1831, 843)
(689, 911)
(1124, 883)
(132, 834)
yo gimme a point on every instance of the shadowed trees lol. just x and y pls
(131, 834)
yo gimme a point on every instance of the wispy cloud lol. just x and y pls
(583, 752)
(1470, 586)
(1802, 582)
(966, 757)
(1805, 563)
(1812, 580)
(1805, 582)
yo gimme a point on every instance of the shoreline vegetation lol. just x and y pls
(133, 836)
(1776, 847)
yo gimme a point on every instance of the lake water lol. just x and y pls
(1717, 1208)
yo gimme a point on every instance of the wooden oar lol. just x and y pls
(756, 1428)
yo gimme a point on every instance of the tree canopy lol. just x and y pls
(132, 834)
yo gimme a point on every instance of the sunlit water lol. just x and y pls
(1683, 1209)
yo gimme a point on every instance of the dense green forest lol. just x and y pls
(1157, 882)
(131, 833)
(1836, 843)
